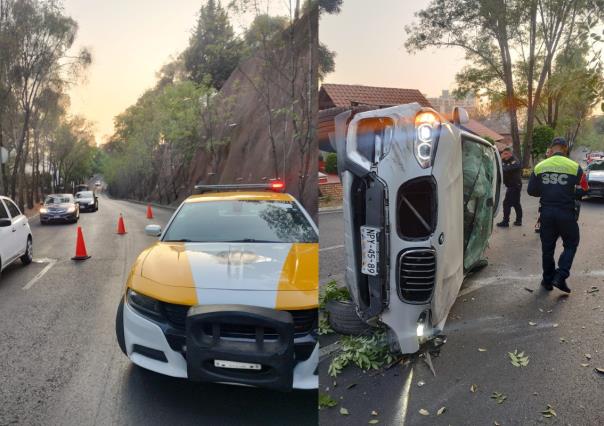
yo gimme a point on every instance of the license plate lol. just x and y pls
(237, 365)
(370, 250)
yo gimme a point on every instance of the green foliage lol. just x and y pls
(324, 327)
(331, 291)
(331, 163)
(326, 401)
(542, 137)
(366, 352)
(214, 50)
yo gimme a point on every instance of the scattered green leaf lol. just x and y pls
(424, 412)
(549, 412)
(324, 327)
(532, 323)
(373, 421)
(331, 291)
(366, 352)
(326, 401)
(441, 410)
(344, 411)
(499, 397)
(482, 350)
(518, 359)
(473, 388)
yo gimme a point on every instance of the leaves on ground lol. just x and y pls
(421, 383)
(366, 352)
(588, 356)
(518, 359)
(584, 365)
(593, 289)
(549, 412)
(441, 410)
(344, 411)
(331, 291)
(599, 370)
(373, 421)
(324, 327)
(499, 397)
(562, 340)
(424, 412)
(473, 388)
(532, 323)
(555, 325)
(326, 401)
(482, 350)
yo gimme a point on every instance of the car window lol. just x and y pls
(57, 199)
(84, 194)
(596, 166)
(12, 208)
(3, 211)
(241, 221)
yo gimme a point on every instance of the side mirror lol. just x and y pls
(460, 116)
(5, 222)
(153, 230)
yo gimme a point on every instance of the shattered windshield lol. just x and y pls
(479, 194)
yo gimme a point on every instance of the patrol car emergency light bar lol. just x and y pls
(276, 185)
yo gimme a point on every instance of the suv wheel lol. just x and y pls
(29, 253)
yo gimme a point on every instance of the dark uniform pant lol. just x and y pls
(557, 223)
(512, 199)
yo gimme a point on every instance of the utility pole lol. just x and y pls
(3, 159)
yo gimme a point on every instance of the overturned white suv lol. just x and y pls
(420, 196)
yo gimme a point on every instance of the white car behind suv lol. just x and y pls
(15, 235)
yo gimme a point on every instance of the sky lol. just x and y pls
(369, 38)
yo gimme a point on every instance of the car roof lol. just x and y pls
(240, 196)
(59, 195)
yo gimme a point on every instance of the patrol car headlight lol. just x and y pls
(427, 129)
(144, 304)
(71, 209)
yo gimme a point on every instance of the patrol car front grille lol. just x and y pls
(417, 275)
(304, 322)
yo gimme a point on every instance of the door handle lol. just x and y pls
(14, 230)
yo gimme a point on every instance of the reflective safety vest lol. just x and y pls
(558, 180)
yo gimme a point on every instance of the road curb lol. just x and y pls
(156, 205)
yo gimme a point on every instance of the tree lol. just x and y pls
(542, 137)
(510, 47)
(213, 50)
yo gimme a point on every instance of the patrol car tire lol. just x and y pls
(343, 318)
(119, 327)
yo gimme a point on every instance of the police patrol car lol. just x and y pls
(229, 293)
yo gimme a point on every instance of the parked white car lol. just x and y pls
(15, 235)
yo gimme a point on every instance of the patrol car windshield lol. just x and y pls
(84, 194)
(241, 221)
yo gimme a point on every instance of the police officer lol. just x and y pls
(558, 181)
(512, 179)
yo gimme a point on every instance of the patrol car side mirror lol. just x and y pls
(153, 230)
(460, 116)
(5, 222)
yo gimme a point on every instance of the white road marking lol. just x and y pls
(331, 248)
(405, 397)
(477, 284)
(51, 263)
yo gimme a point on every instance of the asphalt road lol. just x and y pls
(59, 360)
(493, 312)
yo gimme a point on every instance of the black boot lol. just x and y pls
(504, 224)
(518, 222)
(547, 286)
(561, 285)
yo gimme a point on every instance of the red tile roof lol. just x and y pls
(346, 95)
(482, 130)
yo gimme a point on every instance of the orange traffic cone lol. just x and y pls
(80, 253)
(121, 228)
(149, 212)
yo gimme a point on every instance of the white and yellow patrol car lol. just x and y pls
(229, 293)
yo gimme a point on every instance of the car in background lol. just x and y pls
(59, 208)
(81, 187)
(16, 241)
(229, 293)
(595, 156)
(595, 179)
(87, 201)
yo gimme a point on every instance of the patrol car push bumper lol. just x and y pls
(263, 362)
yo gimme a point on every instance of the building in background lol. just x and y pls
(446, 102)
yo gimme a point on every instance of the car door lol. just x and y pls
(6, 237)
(18, 229)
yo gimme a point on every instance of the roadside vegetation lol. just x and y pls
(539, 61)
(49, 150)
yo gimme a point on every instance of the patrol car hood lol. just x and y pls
(233, 266)
(596, 176)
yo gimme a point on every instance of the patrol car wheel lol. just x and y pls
(343, 318)
(119, 327)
